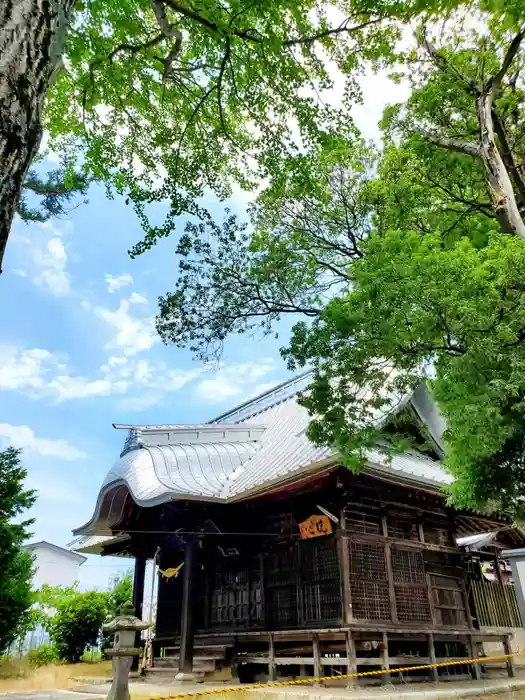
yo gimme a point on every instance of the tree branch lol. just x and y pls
(457, 145)
(341, 29)
(442, 62)
(494, 83)
(508, 156)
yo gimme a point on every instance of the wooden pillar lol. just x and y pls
(507, 649)
(385, 661)
(186, 627)
(476, 671)
(317, 657)
(466, 603)
(352, 658)
(391, 587)
(272, 667)
(139, 575)
(432, 655)
(265, 608)
(346, 591)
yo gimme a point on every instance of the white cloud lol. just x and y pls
(118, 281)
(137, 298)
(44, 257)
(22, 436)
(133, 333)
(25, 369)
(41, 374)
(238, 381)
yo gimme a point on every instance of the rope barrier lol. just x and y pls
(343, 676)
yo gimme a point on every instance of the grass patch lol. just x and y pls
(16, 675)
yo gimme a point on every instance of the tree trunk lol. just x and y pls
(32, 34)
(505, 205)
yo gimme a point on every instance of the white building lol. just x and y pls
(54, 566)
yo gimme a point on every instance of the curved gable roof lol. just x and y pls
(238, 455)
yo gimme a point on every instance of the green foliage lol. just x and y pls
(52, 195)
(416, 303)
(398, 260)
(169, 102)
(45, 603)
(15, 564)
(42, 655)
(78, 623)
(120, 592)
(92, 656)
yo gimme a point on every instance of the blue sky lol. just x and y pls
(78, 351)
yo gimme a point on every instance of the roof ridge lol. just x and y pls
(269, 392)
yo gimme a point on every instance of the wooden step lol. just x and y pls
(167, 675)
(207, 656)
(203, 648)
(171, 663)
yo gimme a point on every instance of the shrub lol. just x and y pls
(78, 623)
(92, 656)
(42, 655)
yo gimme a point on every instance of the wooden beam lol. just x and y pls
(139, 575)
(317, 656)
(265, 610)
(466, 604)
(187, 629)
(272, 668)
(351, 658)
(473, 652)
(385, 661)
(507, 649)
(391, 586)
(346, 591)
(432, 653)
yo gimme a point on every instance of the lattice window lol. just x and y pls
(410, 586)
(281, 566)
(368, 582)
(322, 601)
(319, 559)
(448, 601)
(437, 535)
(320, 579)
(408, 566)
(363, 522)
(282, 604)
(401, 528)
(234, 596)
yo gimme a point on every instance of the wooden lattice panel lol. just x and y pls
(410, 586)
(448, 601)
(320, 579)
(319, 559)
(368, 582)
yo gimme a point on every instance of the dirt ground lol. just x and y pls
(53, 677)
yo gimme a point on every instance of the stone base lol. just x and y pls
(184, 676)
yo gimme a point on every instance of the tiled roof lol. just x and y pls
(239, 454)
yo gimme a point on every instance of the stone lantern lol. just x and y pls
(124, 627)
